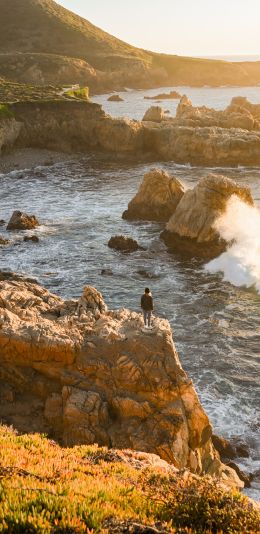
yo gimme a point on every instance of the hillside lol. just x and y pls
(42, 42)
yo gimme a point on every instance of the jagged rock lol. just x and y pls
(157, 197)
(95, 377)
(164, 96)
(115, 98)
(124, 244)
(154, 114)
(184, 105)
(2, 222)
(4, 241)
(246, 478)
(230, 449)
(22, 221)
(33, 238)
(191, 227)
(239, 114)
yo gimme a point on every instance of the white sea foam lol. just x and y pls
(240, 264)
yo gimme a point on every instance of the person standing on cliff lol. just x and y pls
(147, 307)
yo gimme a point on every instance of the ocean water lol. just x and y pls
(134, 104)
(216, 323)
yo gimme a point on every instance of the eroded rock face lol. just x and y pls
(9, 132)
(157, 197)
(154, 114)
(22, 221)
(191, 227)
(92, 375)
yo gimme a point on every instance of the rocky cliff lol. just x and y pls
(88, 375)
(53, 120)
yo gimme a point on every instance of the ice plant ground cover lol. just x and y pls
(47, 488)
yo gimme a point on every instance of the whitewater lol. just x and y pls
(240, 226)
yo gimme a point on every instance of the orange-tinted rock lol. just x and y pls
(99, 378)
(157, 197)
(22, 221)
(191, 227)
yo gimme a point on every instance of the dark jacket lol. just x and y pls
(147, 302)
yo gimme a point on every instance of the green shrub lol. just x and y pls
(5, 112)
(203, 505)
(82, 93)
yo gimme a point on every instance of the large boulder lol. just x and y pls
(191, 228)
(22, 221)
(157, 197)
(154, 114)
(92, 376)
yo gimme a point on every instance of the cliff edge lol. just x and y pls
(87, 375)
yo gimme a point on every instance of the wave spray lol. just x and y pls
(240, 226)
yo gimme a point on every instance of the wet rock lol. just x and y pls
(4, 241)
(242, 449)
(115, 98)
(22, 221)
(157, 197)
(107, 272)
(230, 449)
(191, 227)
(33, 238)
(224, 447)
(154, 114)
(246, 478)
(124, 244)
(2, 222)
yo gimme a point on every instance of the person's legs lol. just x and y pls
(149, 316)
(145, 316)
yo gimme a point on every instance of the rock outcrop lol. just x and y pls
(22, 221)
(172, 95)
(4, 241)
(199, 136)
(88, 375)
(157, 197)
(115, 98)
(191, 227)
(154, 114)
(239, 114)
(124, 243)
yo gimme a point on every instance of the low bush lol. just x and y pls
(5, 112)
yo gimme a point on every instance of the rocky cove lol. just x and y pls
(73, 250)
(197, 135)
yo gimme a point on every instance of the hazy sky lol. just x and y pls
(192, 27)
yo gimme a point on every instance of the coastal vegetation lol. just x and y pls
(46, 488)
(5, 112)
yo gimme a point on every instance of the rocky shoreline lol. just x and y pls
(85, 374)
(197, 136)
